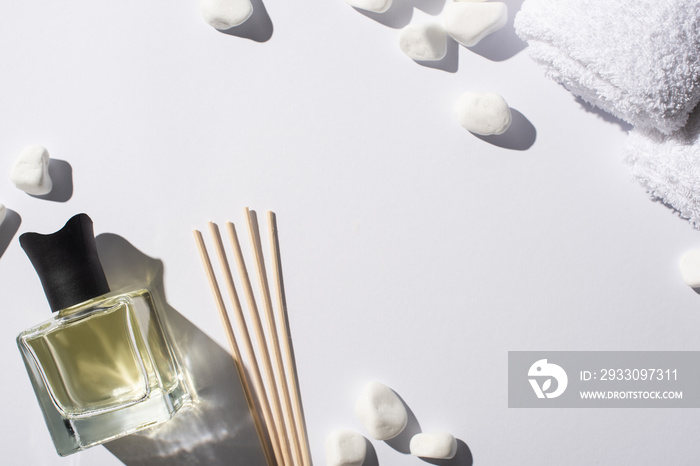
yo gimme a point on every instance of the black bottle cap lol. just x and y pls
(67, 263)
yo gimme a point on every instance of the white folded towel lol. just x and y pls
(668, 166)
(640, 61)
(637, 59)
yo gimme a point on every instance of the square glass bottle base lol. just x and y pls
(82, 433)
(103, 369)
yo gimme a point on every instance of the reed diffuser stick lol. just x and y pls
(273, 341)
(213, 284)
(290, 368)
(244, 335)
(272, 391)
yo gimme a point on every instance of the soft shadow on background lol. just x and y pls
(521, 134)
(498, 46)
(257, 28)
(61, 174)
(504, 43)
(371, 458)
(8, 229)
(218, 429)
(450, 62)
(400, 12)
(603, 115)
(462, 458)
(402, 442)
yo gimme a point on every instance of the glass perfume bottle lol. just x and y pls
(103, 366)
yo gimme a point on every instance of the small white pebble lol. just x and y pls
(31, 171)
(345, 448)
(3, 212)
(439, 445)
(690, 268)
(424, 42)
(225, 14)
(381, 411)
(483, 113)
(377, 6)
(469, 22)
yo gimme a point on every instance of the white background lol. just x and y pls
(414, 253)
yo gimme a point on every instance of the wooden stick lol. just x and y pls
(273, 394)
(290, 368)
(245, 336)
(273, 341)
(234, 347)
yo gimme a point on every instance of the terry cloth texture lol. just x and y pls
(636, 59)
(668, 166)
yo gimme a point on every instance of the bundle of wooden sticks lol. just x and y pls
(274, 392)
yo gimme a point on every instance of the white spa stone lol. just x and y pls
(225, 14)
(424, 42)
(377, 6)
(3, 212)
(469, 22)
(30, 172)
(345, 448)
(381, 411)
(439, 445)
(483, 113)
(690, 268)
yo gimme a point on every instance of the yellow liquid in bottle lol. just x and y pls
(94, 363)
(104, 359)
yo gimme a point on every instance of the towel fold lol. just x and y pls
(668, 166)
(636, 59)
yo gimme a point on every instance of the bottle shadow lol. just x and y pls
(257, 28)
(61, 174)
(521, 134)
(217, 427)
(8, 229)
(504, 43)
